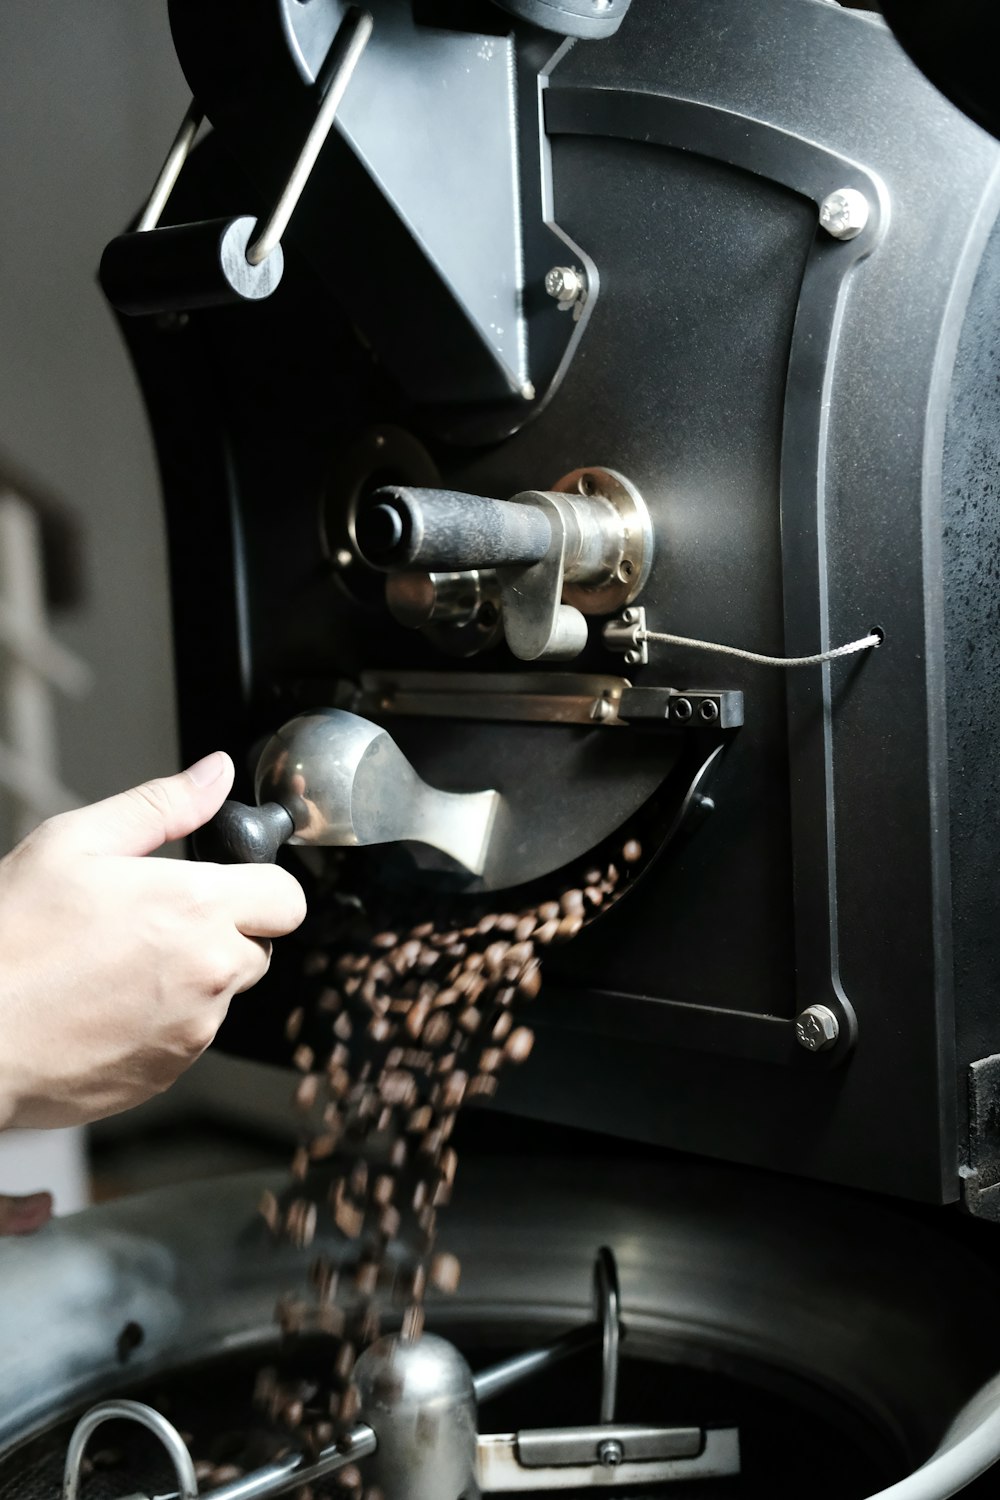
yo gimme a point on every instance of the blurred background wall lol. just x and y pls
(90, 97)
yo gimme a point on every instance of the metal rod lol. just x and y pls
(289, 1473)
(355, 31)
(132, 1411)
(508, 1372)
(608, 1299)
(171, 169)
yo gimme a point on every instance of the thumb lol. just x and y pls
(25, 1215)
(141, 819)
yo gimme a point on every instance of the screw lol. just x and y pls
(610, 1453)
(844, 213)
(682, 709)
(603, 710)
(633, 658)
(709, 710)
(565, 285)
(817, 1028)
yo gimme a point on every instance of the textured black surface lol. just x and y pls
(441, 531)
(971, 575)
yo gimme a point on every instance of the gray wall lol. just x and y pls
(90, 96)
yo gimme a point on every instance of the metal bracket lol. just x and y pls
(569, 1458)
(981, 1176)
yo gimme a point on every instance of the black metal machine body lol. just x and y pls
(806, 403)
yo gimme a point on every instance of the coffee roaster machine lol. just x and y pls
(488, 350)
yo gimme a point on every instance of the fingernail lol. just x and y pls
(208, 769)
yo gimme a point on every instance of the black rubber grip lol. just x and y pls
(242, 835)
(185, 267)
(443, 531)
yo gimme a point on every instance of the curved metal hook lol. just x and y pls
(607, 1303)
(131, 1411)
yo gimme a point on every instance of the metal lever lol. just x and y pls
(187, 266)
(332, 778)
(584, 547)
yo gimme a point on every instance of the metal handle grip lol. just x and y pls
(242, 835)
(442, 531)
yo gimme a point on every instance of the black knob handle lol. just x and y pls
(186, 266)
(443, 531)
(242, 835)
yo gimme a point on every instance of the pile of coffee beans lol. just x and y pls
(419, 1017)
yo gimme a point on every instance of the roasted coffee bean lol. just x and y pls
(294, 1024)
(436, 1029)
(495, 956)
(530, 982)
(307, 1092)
(300, 1164)
(519, 1044)
(269, 1211)
(571, 902)
(315, 963)
(470, 1019)
(453, 1090)
(303, 1058)
(388, 1222)
(445, 1273)
(570, 925)
(491, 1060)
(416, 1017)
(548, 932)
(501, 1026)
(383, 941)
(549, 911)
(204, 1471)
(342, 1027)
(632, 852)
(594, 895)
(525, 928)
(423, 931)
(483, 1086)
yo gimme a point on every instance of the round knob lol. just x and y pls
(242, 835)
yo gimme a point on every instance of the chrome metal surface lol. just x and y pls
(420, 1402)
(844, 213)
(344, 781)
(357, 28)
(513, 697)
(628, 635)
(817, 1028)
(458, 612)
(556, 1447)
(607, 1297)
(130, 1411)
(565, 285)
(599, 584)
(292, 1472)
(171, 169)
(499, 1467)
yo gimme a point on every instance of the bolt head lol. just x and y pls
(633, 658)
(844, 213)
(817, 1028)
(610, 1453)
(564, 284)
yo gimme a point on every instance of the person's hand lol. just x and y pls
(117, 971)
(24, 1215)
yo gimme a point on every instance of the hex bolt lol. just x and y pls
(709, 710)
(681, 709)
(844, 213)
(565, 285)
(817, 1028)
(610, 1453)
